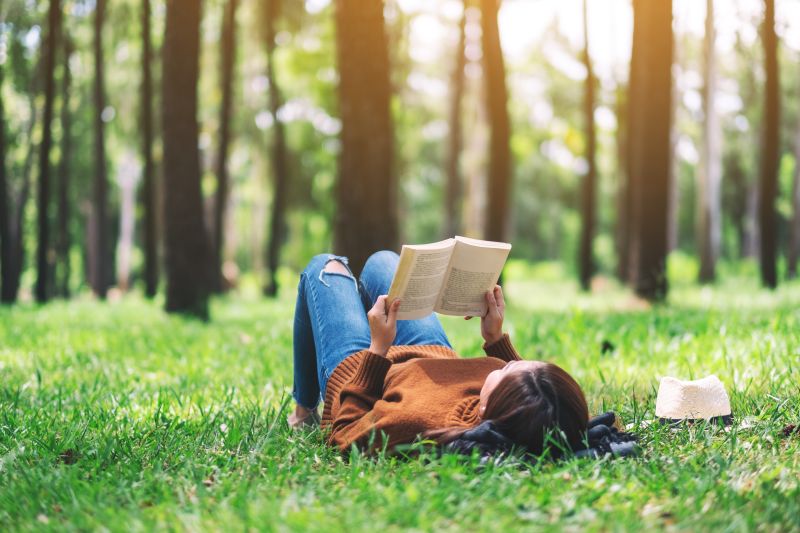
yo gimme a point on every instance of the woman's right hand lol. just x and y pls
(492, 321)
(382, 325)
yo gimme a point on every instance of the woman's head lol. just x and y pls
(528, 399)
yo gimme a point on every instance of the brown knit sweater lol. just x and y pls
(410, 391)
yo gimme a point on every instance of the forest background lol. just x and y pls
(154, 153)
(519, 121)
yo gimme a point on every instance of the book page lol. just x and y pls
(419, 276)
(474, 269)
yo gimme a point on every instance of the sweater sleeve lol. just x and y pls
(502, 349)
(355, 419)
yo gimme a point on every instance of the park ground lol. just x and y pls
(115, 416)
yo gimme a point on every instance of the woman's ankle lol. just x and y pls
(301, 412)
(303, 417)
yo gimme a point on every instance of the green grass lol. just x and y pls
(116, 416)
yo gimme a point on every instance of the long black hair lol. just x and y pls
(527, 406)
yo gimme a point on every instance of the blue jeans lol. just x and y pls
(330, 320)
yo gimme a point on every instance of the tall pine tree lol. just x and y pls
(185, 240)
(770, 151)
(499, 182)
(649, 147)
(366, 189)
(43, 204)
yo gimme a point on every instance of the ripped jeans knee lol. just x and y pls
(341, 259)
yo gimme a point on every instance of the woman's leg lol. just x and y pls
(376, 279)
(329, 325)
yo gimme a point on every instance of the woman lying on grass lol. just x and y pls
(387, 382)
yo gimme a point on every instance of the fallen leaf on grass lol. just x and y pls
(607, 346)
(68, 456)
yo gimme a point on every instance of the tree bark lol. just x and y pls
(17, 219)
(280, 168)
(453, 191)
(770, 151)
(499, 182)
(366, 190)
(99, 267)
(674, 202)
(651, 102)
(42, 291)
(186, 243)
(709, 176)
(794, 229)
(586, 260)
(227, 62)
(63, 246)
(623, 178)
(127, 180)
(629, 193)
(6, 245)
(149, 186)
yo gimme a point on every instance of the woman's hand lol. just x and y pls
(492, 321)
(382, 325)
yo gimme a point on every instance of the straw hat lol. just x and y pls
(702, 399)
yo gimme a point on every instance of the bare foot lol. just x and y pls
(303, 417)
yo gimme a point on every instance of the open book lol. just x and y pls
(450, 277)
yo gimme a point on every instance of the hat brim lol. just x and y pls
(722, 420)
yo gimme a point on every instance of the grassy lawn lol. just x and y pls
(115, 416)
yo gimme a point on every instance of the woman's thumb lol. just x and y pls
(393, 309)
(380, 305)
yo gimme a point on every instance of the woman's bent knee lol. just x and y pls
(336, 265)
(383, 258)
(324, 265)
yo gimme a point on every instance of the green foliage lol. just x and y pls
(118, 417)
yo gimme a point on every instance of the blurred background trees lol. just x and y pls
(234, 143)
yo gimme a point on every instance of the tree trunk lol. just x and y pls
(63, 247)
(280, 171)
(770, 151)
(709, 176)
(623, 179)
(586, 261)
(366, 191)
(453, 191)
(99, 268)
(6, 245)
(127, 181)
(17, 220)
(651, 95)
(674, 202)
(624, 267)
(186, 243)
(149, 186)
(43, 204)
(499, 182)
(227, 61)
(794, 229)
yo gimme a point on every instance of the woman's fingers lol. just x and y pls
(498, 296)
(491, 302)
(381, 309)
(392, 315)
